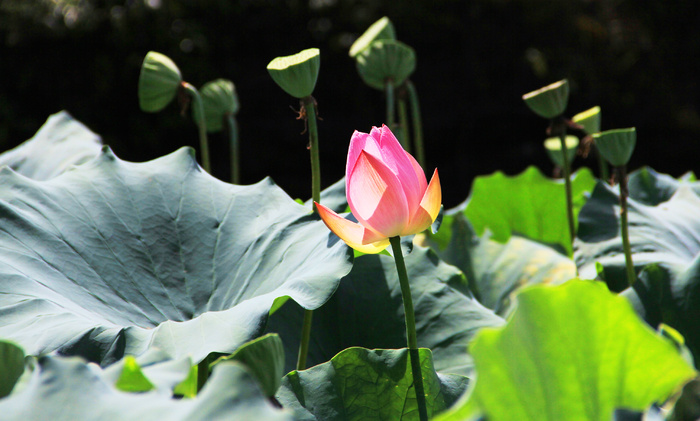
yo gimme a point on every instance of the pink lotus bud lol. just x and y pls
(387, 193)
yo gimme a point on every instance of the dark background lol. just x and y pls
(638, 59)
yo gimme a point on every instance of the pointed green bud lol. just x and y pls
(553, 147)
(589, 119)
(381, 29)
(219, 100)
(550, 101)
(296, 74)
(386, 60)
(616, 146)
(158, 82)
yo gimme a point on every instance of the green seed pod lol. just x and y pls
(550, 101)
(296, 74)
(218, 99)
(381, 29)
(616, 146)
(158, 82)
(553, 147)
(589, 119)
(386, 60)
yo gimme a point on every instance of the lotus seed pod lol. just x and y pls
(553, 147)
(550, 101)
(386, 60)
(218, 99)
(617, 145)
(589, 119)
(381, 29)
(296, 74)
(158, 82)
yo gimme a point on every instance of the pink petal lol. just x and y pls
(400, 162)
(359, 142)
(354, 235)
(429, 208)
(376, 196)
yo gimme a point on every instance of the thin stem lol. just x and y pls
(558, 128)
(403, 119)
(410, 327)
(198, 110)
(417, 123)
(305, 337)
(235, 149)
(389, 91)
(624, 229)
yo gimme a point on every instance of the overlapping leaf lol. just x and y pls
(60, 143)
(114, 257)
(367, 311)
(363, 384)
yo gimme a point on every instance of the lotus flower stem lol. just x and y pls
(603, 167)
(624, 229)
(403, 119)
(558, 128)
(417, 123)
(410, 327)
(201, 124)
(309, 103)
(389, 92)
(235, 148)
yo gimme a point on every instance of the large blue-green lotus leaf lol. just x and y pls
(666, 233)
(652, 188)
(528, 204)
(115, 257)
(363, 384)
(495, 271)
(367, 311)
(66, 389)
(60, 143)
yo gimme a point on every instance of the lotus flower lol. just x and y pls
(387, 193)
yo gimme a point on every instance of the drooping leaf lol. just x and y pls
(60, 143)
(68, 389)
(115, 257)
(367, 311)
(264, 358)
(363, 384)
(528, 204)
(11, 366)
(573, 352)
(651, 188)
(496, 271)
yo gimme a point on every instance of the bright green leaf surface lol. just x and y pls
(115, 257)
(132, 378)
(361, 384)
(571, 352)
(60, 143)
(67, 389)
(264, 358)
(528, 204)
(11, 366)
(152, 370)
(367, 311)
(496, 271)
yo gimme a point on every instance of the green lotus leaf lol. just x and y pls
(367, 311)
(386, 60)
(60, 143)
(549, 101)
(11, 366)
(616, 146)
(552, 146)
(650, 188)
(64, 389)
(219, 100)
(571, 352)
(113, 258)
(529, 204)
(158, 82)
(381, 29)
(152, 370)
(363, 384)
(296, 74)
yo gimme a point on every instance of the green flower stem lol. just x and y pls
(558, 128)
(417, 123)
(403, 119)
(410, 327)
(235, 148)
(309, 104)
(624, 228)
(201, 124)
(389, 92)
